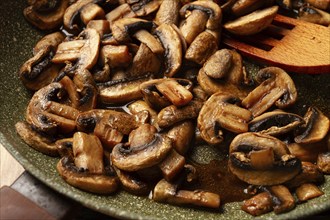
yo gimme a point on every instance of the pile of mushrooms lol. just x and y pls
(126, 89)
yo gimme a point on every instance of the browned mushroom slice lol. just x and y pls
(46, 21)
(167, 192)
(145, 7)
(252, 23)
(168, 12)
(88, 153)
(323, 5)
(275, 123)
(116, 55)
(221, 111)
(124, 28)
(243, 7)
(85, 50)
(259, 204)
(172, 165)
(182, 135)
(143, 134)
(316, 127)
(95, 183)
(203, 46)
(131, 182)
(276, 87)
(314, 15)
(52, 40)
(308, 152)
(90, 12)
(139, 157)
(64, 147)
(210, 8)
(48, 122)
(101, 26)
(86, 121)
(283, 200)
(171, 115)
(122, 11)
(144, 62)
(160, 93)
(148, 39)
(323, 162)
(244, 156)
(70, 16)
(219, 64)
(309, 174)
(172, 44)
(121, 91)
(141, 106)
(36, 140)
(308, 191)
(109, 136)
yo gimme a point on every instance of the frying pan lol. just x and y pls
(17, 39)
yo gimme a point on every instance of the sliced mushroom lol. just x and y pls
(139, 157)
(308, 191)
(48, 20)
(143, 134)
(85, 50)
(182, 135)
(115, 55)
(323, 5)
(64, 147)
(172, 165)
(145, 7)
(160, 93)
(275, 123)
(141, 106)
(50, 40)
(144, 62)
(279, 167)
(307, 152)
(88, 153)
(168, 12)
(259, 204)
(221, 111)
(219, 64)
(170, 39)
(167, 192)
(314, 15)
(121, 91)
(71, 16)
(47, 116)
(202, 47)
(95, 183)
(171, 115)
(276, 87)
(108, 135)
(309, 174)
(148, 39)
(323, 162)
(124, 28)
(131, 182)
(252, 23)
(36, 140)
(315, 129)
(210, 8)
(122, 11)
(243, 7)
(283, 200)
(91, 12)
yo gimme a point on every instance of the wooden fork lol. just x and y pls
(294, 45)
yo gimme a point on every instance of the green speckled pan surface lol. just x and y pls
(16, 41)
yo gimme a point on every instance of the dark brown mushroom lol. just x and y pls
(171, 114)
(170, 39)
(168, 192)
(221, 111)
(316, 127)
(182, 135)
(95, 183)
(275, 123)
(46, 115)
(47, 15)
(283, 200)
(172, 165)
(36, 140)
(144, 7)
(260, 159)
(259, 204)
(64, 147)
(139, 157)
(276, 87)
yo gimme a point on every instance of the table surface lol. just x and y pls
(10, 169)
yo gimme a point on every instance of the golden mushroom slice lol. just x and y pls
(252, 23)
